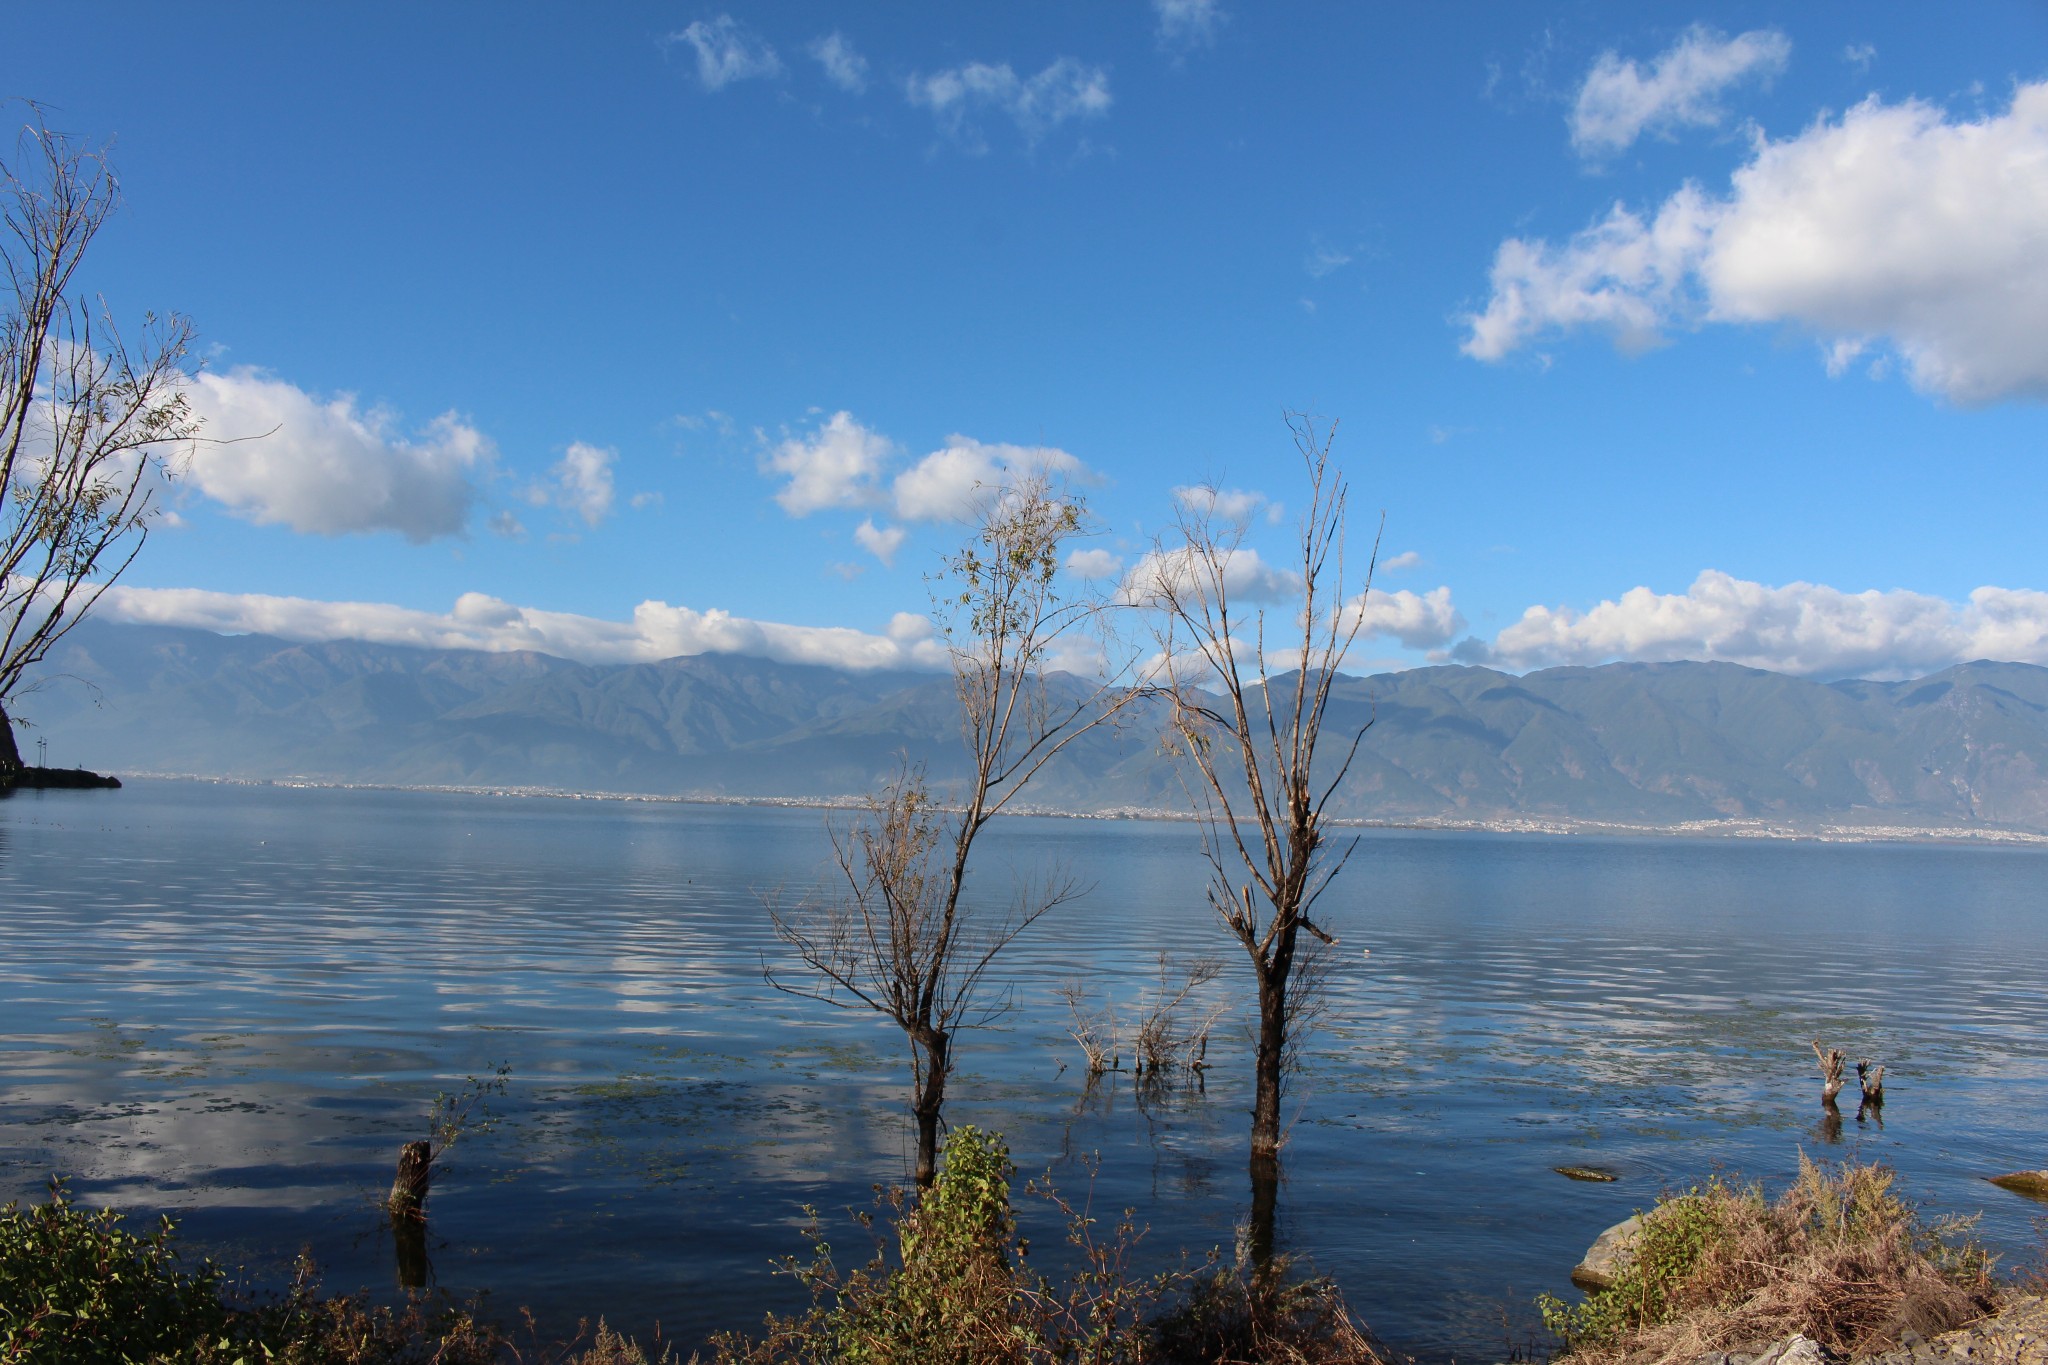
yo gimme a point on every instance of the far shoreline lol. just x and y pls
(1735, 828)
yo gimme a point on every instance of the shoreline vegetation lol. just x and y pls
(1837, 1268)
(1734, 827)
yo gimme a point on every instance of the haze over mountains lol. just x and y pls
(1633, 743)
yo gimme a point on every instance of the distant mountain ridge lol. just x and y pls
(1633, 743)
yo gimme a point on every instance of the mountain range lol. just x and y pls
(1655, 744)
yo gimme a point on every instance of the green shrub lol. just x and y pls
(957, 1289)
(76, 1286)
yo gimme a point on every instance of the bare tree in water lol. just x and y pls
(1247, 716)
(84, 416)
(903, 936)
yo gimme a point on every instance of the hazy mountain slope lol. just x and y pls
(1657, 743)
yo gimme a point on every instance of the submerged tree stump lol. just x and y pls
(1871, 1077)
(1831, 1062)
(415, 1173)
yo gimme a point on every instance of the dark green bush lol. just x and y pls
(77, 1286)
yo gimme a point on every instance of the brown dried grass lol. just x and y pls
(1838, 1257)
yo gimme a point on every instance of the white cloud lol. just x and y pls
(880, 541)
(656, 630)
(1407, 559)
(1803, 628)
(1188, 23)
(1892, 224)
(1424, 621)
(275, 454)
(582, 482)
(728, 51)
(1860, 55)
(1094, 562)
(1620, 100)
(1067, 89)
(1622, 274)
(844, 66)
(1233, 505)
(1246, 577)
(946, 484)
(1325, 260)
(838, 465)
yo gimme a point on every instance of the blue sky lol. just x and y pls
(1657, 332)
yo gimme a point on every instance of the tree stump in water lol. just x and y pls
(1872, 1080)
(415, 1173)
(1830, 1073)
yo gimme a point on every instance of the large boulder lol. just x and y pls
(1609, 1252)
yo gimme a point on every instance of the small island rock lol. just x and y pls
(2033, 1184)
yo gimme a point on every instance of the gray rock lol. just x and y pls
(1797, 1349)
(1609, 1252)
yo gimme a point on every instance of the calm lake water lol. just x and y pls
(234, 1003)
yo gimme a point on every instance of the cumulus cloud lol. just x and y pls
(1681, 88)
(1246, 577)
(880, 541)
(1407, 559)
(1184, 24)
(1893, 225)
(1234, 505)
(946, 484)
(1418, 621)
(275, 454)
(1065, 90)
(1803, 628)
(845, 464)
(728, 51)
(582, 483)
(838, 465)
(844, 66)
(656, 630)
(1094, 562)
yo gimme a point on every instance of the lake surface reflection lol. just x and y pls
(235, 1002)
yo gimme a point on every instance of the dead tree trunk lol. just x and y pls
(930, 1103)
(408, 1199)
(1271, 1058)
(1830, 1073)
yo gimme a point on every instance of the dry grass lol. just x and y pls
(1839, 1256)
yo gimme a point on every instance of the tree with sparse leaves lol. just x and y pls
(903, 936)
(1247, 717)
(87, 417)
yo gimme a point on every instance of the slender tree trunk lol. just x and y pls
(928, 1102)
(1266, 1064)
(1265, 1210)
(10, 756)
